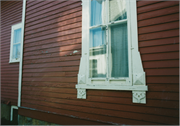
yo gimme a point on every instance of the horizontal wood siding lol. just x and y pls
(158, 30)
(11, 13)
(50, 67)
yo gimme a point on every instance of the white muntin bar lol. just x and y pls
(117, 22)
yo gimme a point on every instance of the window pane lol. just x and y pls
(97, 53)
(17, 35)
(117, 10)
(97, 12)
(16, 51)
(119, 51)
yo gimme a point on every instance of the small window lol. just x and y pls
(15, 48)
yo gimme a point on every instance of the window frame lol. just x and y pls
(13, 28)
(136, 80)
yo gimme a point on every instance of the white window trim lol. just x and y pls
(14, 27)
(135, 82)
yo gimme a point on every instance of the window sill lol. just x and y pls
(14, 61)
(112, 87)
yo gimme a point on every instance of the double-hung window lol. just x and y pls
(15, 43)
(110, 58)
(108, 46)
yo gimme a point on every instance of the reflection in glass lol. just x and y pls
(17, 36)
(16, 51)
(16, 44)
(97, 12)
(117, 10)
(119, 51)
(97, 54)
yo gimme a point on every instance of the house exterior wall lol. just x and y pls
(9, 71)
(50, 67)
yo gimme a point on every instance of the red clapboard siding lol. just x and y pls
(48, 6)
(71, 68)
(53, 74)
(70, 16)
(161, 64)
(87, 116)
(156, 6)
(61, 40)
(160, 12)
(146, 3)
(57, 43)
(56, 59)
(159, 35)
(58, 119)
(50, 84)
(159, 20)
(53, 50)
(11, 12)
(110, 113)
(52, 14)
(33, 3)
(161, 27)
(67, 27)
(160, 56)
(161, 41)
(109, 106)
(56, 54)
(50, 67)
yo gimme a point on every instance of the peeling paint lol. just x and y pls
(75, 51)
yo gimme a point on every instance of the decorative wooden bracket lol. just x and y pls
(139, 78)
(81, 93)
(81, 79)
(139, 97)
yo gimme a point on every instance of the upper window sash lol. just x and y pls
(107, 12)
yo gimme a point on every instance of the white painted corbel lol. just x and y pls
(81, 93)
(139, 97)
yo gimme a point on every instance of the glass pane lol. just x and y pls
(117, 10)
(97, 54)
(17, 35)
(119, 51)
(97, 12)
(16, 51)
